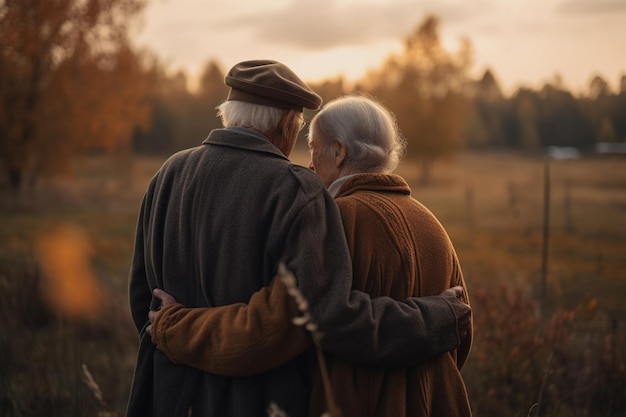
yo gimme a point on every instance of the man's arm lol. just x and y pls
(246, 339)
(467, 336)
(379, 331)
(356, 327)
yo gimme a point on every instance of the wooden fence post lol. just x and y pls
(546, 236)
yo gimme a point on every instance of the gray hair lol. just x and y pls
(366, 128)
(240, 113)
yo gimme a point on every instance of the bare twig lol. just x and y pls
(537, 405)
(91, 383)
(307, 321)
(275, 411)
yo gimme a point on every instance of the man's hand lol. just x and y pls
(462, 310)
(166, 300)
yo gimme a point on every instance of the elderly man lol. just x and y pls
(214, 225)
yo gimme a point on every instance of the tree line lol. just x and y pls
(72, 83)
(439, 106)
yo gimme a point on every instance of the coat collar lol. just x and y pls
(241, 138)
(374, 182)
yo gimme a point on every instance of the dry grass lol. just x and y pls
(491, 204)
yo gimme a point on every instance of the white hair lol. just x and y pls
(366, 128)
(240, 113)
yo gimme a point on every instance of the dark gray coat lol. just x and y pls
(215, 222)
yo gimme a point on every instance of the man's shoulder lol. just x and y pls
(308, 181)
(181, 156)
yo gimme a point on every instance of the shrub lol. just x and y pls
(563, 364)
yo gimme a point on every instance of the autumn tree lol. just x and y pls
(202, 115)
(598, 87)
(168, 99)
(425, 86)
(488, 113)
(606, 110)
(329, 89)
(561, 120)
(69, 82)
(181, 117)
(619, 110)
(526, 112)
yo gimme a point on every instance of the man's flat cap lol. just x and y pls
(270, 83)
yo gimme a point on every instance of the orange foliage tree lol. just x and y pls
(69, 82)
(425, 87)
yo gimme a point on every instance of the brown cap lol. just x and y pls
(270, 83)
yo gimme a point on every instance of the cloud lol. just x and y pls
(325, 24)
(576, 7)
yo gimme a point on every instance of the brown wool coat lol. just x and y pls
(214, 224)
(399, 249)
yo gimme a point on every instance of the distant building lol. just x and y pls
(563, 152)
(611, 148)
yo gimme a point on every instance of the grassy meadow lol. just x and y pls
(67, 344)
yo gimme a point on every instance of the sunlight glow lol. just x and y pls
(523, 43)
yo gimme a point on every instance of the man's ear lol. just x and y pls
(339, 153)
(286, 134)
(286, 125)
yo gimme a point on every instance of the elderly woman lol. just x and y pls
(399, 249)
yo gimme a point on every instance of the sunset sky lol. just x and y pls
(525, 42)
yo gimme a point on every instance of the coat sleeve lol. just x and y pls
(378, 331)
(236, 340)
(356, 327)
(465, 345)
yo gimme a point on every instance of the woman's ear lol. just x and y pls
(339, 153)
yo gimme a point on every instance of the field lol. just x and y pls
(550, 311)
